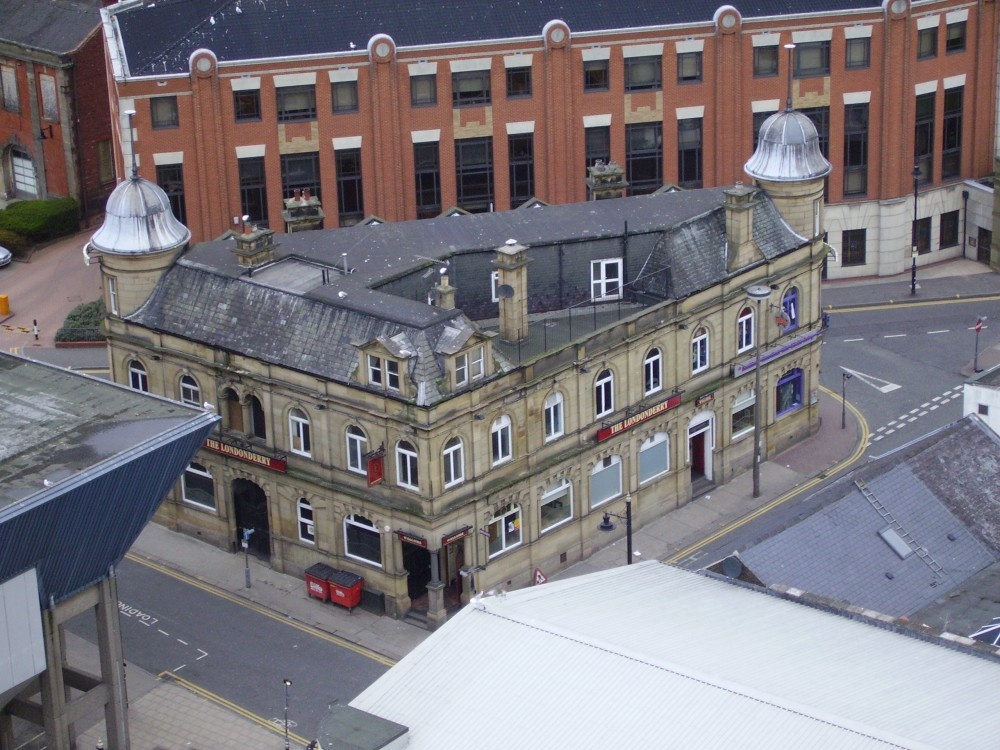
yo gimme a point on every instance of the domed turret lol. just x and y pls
(787, 150)
(138, 241)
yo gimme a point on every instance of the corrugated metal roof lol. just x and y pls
(650, 656)
(84, 464)
(159, 38)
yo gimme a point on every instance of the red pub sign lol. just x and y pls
(244, 454)
(629, 422)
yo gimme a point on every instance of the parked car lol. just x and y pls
(5, 256)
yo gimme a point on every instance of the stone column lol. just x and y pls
(109, 643)
(436, 611)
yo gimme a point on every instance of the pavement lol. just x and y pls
(157, 703)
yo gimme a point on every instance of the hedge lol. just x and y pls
(42, 219)
(84, 323)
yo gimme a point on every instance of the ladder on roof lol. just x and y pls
(921, 552)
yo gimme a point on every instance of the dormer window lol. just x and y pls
(383, 373)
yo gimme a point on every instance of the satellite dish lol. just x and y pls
(732, 567)
(505, 291)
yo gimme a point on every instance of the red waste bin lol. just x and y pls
(345, 588)
(316, 580)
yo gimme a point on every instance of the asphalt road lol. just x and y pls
(233, 649)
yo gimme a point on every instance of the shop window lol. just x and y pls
(362, 540)
(406, 466)
(744, 330)
(605, 480)
(606, 279)
(788, 393)
(596, 75)
(699, 350)
(423, 90)
(137, 377)
(454, 462)
(190, 392)
(307, 528)
(743, 414)
(654, 456)
(604, 394)
(299, 435)
(853, 251)
(556, 505)
(163, 112)
(553, 416)
(198, 487)
(652, 372)
(505, 529)
(765, 61)
(357, 446)
(501, 449)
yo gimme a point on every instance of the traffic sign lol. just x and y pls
(539, 577)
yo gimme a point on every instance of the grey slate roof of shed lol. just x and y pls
(84, 464)
(55, 26)
(277, 317)
(942, 491)
(160, 38)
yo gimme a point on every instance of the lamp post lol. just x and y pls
(759, 293)
(845, 376)
(288, 684)
(913, 252)
(608, 525)
(975, 359)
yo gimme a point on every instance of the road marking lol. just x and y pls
(925, 404)
(894, 336)
(945, 330)
(178, 669)
(138, 614)
(848, 341)
(184, 643)
(935, 406)
(163, 632)
(203, 654)
(885, 387)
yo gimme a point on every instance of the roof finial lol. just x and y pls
(130, 113)
(788, 100)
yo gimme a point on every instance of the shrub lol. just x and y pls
(42, 219)
(84, 323)
(16, 243)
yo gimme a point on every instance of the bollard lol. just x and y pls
(4, 304)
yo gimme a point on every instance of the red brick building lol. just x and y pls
(403, 115)
(55, 121)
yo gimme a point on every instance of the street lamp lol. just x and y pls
(759, 293)
(845, 376)
(978, 328)
(288, 684)
(608, 525)
(913, 252)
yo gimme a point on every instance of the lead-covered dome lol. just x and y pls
(138, 221)
(787, 150)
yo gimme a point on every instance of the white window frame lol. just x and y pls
(699, 350)
(501, 440)
(744, 400)
(299, 433)
(608, 463)
(477, 364)
(392, 375)
(649, 444)
(375, 370)
(508, 522)
(494, 286)
(367, 527)
(745, 330)
(307, 521)
(461, 369)
(407, 466)
(564, 487)
(554, 416)
(652, 371)
(138, 377)
(604, 393)
(113, 294)
(357, 446)
(605, 287)
(190, 390)
(453, 459)
(200, 471)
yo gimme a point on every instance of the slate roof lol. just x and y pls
(56, 26)
(159, 38)
(303, 313)
(940, 489)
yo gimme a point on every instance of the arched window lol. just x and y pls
(699, 350)
(198, 487)
(556, 505)
(258, 424)
(790, 304)
(454, 462)
(604, 393)
(357, 447)
(362, 540)
(505, 529)
(652, 372)
(744, 330)
(605, 480)
(299, 435)
(654, 456)
(190, 392)
(137, 377)
(234, 410)
(554, 420)
(307, 530)
(500, 440)
(406, 466)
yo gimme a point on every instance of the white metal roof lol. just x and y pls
(650, 656)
